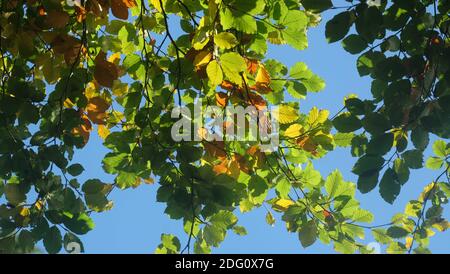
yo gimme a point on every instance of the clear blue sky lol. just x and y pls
(136, 222)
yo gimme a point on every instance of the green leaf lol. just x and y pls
(420, 138)
(258, 189)
(26, 241)
(389, 186)
(224, 220)
(93, 186)
(225, 40)
(73, 244)
(397, 232)
(333, 183)
(238, 20)
(170, 244)
(296, 89)
(401, 170)
(343, 139)
(380, 235)
(368, 164)
(362, 215)
(239, 230)
(354, 43)
(308, 234)
(53, 240)
(300, 71)
(338, 26)
(346, 122)
(79, 224)
(14, 194)
(368, 181)
(314, 84)
(75, 169)
(434, 163)
(380, 144)
(213, 235)
(376, 123)
(233, 65)
(413, 158)
(317, 5)
(439, 148)
(283, 188)
(294, 19)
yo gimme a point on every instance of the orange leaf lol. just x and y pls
(326, 214)
(41, 11)
(252, 65)
(130, 3)
(221, 99)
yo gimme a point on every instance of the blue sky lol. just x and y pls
(136, 222)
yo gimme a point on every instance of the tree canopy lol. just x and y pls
(117, 68)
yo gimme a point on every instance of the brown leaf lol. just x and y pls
(57, 19)
(119, 9)
(81, 13)
(257, 101)
(84, 129)
(105, 72)
(96, 110)
(307, 144)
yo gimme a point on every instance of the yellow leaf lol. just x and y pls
(282, 204)
(115, 58)
(293, 131)
(149, 181)
(317, 117)
(286, 114)
(103, 131)
(262, 80)
(215, 73)
(25, 211)
(263, 76)
(157, 4)
(119, 88)
(68, 103)
(442, 225)
(202, 58)
(92, 90)
(425, 193)
(270, 219)
(408, 242)
(39, 205)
